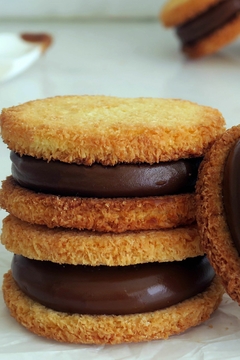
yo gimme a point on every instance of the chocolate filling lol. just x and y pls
(231, 193)
(208, 22)
(123, 180)
(115, 290)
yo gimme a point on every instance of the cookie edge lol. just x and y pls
(210, 214)
(174, 15)
(103, 215)
(92, 248)
(215, 41)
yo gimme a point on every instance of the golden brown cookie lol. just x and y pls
(110, 329)
(215, 233)
(203, 27)
(176, 12)
(93, 248)
(117, 214)
(109, 130)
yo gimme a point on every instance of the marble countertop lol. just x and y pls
(128, 59)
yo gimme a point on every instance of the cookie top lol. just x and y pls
(110, 130)
(176, 12)
(217, 230)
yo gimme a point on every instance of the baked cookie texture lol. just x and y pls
(109, 130)
(176, 13)
(105, 231)
(92, 248)
(98, 214)
(211, 217)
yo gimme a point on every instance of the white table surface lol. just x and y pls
(128, 59)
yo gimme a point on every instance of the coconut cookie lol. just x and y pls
(99, 214)
(203, 27)
(218, 209)
(105, 163)
(102, 217)
(92, 248)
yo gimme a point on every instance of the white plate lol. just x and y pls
(19, 51)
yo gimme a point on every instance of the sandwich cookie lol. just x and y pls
(103, 163)
(65, 326)
(203, 27)
(218, 209)
(102, 217)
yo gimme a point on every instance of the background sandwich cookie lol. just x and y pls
(203, 27)
(218, 209)
(102, 208)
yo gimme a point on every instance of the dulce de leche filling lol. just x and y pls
(207, 22)
(119, 290)
(231, 193)
(122, 180)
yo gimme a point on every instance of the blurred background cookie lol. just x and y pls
(203, 27)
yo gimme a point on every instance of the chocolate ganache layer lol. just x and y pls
(111, 290)
(231, 193)
(122, 180)
(207, 22)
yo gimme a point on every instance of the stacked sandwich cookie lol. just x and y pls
(102, 217)
(202, 26)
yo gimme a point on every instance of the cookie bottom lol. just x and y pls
(104, 215)
(219, 38)
(106, 329)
